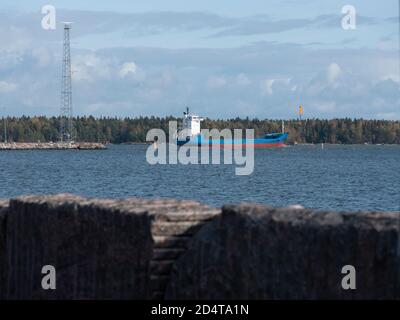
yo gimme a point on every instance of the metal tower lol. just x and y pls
(5, 125)
(66, 125)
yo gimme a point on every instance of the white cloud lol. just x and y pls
(127, 67)
(268, 84)
(333, 72)
(89, 67)
(7, 86)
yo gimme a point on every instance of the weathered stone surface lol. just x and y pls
(3, 255)
(173, 225)
(100, 249)
(257, 252)
(171, 241)
(126, 249)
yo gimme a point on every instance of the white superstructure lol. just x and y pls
(190, 126)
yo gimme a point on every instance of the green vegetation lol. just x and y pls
(116, 130)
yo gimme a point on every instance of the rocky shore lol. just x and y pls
(52, 146)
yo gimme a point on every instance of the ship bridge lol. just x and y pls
(191, 125)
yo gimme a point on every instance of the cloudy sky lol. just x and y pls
(224, 58)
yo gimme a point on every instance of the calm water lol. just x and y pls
(337, 177)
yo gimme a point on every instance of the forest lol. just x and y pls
(134, 130)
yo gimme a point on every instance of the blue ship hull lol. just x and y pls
(269, 140)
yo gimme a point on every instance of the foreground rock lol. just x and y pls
(169, 249)
(3, 255)
(101, 249)
(256, 252)
(52, 146)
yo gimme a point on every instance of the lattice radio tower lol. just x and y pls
(66, 125)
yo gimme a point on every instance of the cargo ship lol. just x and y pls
(190, 134)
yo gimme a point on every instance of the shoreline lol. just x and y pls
(20, 146)
(52, 146)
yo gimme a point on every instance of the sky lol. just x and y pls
(223, 59)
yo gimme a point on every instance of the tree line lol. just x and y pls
(127, 130)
